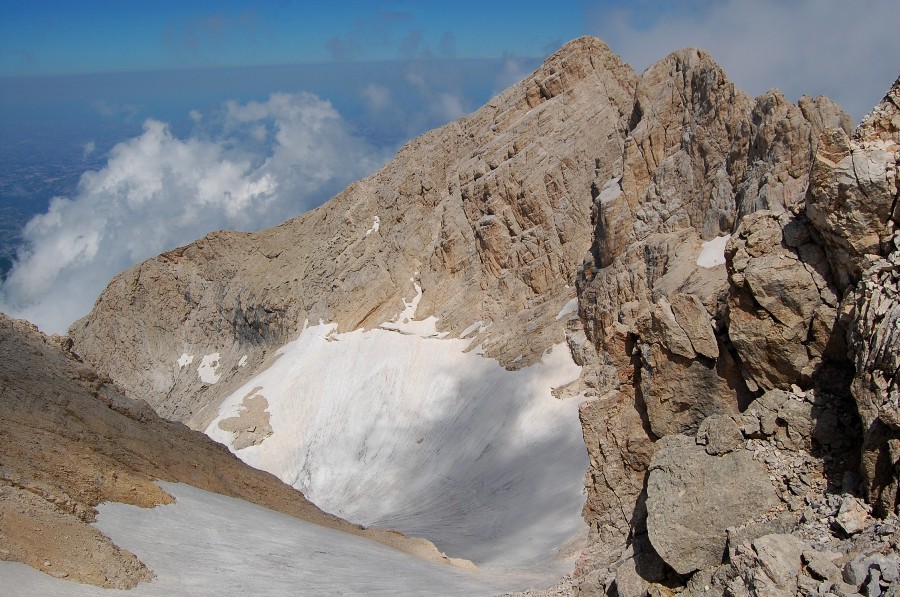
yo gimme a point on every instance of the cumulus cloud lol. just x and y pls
(269, 161)
(377, 97)
(849, 51)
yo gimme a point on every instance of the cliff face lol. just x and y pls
(729, 423)
(735, 261)
(489, 215)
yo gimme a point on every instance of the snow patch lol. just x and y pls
(375, 225)
(405, 323)
(185, 360)
(567, 309)
(475, 328)
(611, 190)
(243, 361)
(408, 431)
(713, 252)
(206, 544)
(208, 369)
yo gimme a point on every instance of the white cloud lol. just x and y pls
(157, 192)
(89, 148)
(449, 106)
(849, 51)
(513, 71)
(377, 97)
(443, 102)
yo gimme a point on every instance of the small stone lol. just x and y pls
(852, 516)
(819, 566)
(873, 586)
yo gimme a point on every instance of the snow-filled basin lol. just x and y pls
(402, 429)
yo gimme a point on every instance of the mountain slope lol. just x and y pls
(489, 215)
(71, 440)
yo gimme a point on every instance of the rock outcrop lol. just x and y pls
(807, 316)
(694, 497)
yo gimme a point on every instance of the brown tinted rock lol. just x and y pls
(854, 204)
(694, 319)
(775, 297)
(874, 336)
(620, 448)
(680, 392)
(720, 434)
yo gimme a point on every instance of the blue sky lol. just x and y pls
(847, 50)
(90, 36)
(175, 118)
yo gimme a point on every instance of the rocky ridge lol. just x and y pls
(487, 215)
(756, 468)
(736, 270)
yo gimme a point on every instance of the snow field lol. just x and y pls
(395, 427)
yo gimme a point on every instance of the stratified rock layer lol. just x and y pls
(489, 215)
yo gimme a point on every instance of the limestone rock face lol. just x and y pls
(874, 336)
(853, 191)
(489, 215)
(682, 378)
(782, 306)
(699, 157)
(873, 305)
(807, 315)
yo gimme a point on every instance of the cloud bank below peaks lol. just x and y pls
(257, 165)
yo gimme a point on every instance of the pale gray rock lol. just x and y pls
(820, 566)
(720, 434)
(778, 563)
(854, 188)
(692, 498)
(853, 516)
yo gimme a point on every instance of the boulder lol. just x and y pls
(693, 497)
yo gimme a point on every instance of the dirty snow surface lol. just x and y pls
(396, 427)
(208, 544)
